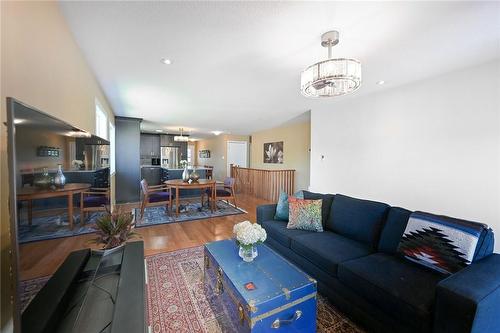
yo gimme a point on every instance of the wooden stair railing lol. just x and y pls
(263, 184)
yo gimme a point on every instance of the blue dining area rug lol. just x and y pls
(188, 211)
(55, 226)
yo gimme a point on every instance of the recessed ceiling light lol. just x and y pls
(18, 121)
(166, 61)
(159, 130)
(217, 132)
(381, 82)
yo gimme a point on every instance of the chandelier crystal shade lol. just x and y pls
(331, 77)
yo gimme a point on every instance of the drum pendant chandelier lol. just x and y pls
(331, 77)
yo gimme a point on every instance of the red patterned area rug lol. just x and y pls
(177, 303)
(176, 299)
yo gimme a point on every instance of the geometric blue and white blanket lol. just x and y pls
(439, 242)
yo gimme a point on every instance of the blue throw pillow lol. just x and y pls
(441, 243)
(282, 207)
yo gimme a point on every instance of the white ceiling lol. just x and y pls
(236, 65)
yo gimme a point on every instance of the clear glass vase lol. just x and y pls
(248, 254)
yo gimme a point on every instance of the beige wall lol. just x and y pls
(42, 66)
(296, 145)
(218, 150)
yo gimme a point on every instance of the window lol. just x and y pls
(190, 156)
(111, 148)
(101, 122)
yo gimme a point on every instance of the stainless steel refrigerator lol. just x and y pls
(170, 157)
(96, 156)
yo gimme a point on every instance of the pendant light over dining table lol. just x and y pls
(331, 77)
(181, 138)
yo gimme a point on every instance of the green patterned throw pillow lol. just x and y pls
(304, 214)
(282, 207)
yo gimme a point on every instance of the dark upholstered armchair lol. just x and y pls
(156, 195)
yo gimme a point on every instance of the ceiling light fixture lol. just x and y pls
(159, 130)
(18, 121)
(331, 77)
(381, 82)
(217, 132)
(181, 138)
(166, 61)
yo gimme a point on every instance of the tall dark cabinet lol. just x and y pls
(150, 145)
(127, 157)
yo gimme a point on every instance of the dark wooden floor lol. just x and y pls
(42, 258)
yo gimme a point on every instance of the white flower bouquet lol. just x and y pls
(249, 234)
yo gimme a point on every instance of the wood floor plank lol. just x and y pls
(44, 257)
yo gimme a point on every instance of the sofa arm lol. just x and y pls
(266, 213)
(469, 300)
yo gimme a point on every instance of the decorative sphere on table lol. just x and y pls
(194, 176)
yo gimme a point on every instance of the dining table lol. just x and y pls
(32, 193)
(201, 184)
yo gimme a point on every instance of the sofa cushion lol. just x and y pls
(393, 229)
(304, 214)
(327, 249)
(394, 285)
(282, 206)
(357, 219)
(325, 206)
(278, 231)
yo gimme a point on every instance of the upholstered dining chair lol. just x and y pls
(224, 191)
(155, 195)
(93, 200)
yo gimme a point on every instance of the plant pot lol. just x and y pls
(105, 252)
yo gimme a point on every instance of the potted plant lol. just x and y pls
(113, 230)
(248, 235)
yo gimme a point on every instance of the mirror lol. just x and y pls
(59, 177)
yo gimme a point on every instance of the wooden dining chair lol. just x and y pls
(224, 191)
(94, 200)
(209, 172)
(155, 195)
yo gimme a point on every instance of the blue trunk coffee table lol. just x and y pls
(267, 295)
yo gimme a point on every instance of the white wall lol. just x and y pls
(432, 145)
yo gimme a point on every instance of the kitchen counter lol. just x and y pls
(39, 170)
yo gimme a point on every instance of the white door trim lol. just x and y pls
(228, 171)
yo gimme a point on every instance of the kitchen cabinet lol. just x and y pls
(167, 140)
(155, 145)
(150, 145)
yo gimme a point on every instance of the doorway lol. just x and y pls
(237, 154)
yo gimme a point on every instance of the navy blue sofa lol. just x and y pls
(355, 263)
